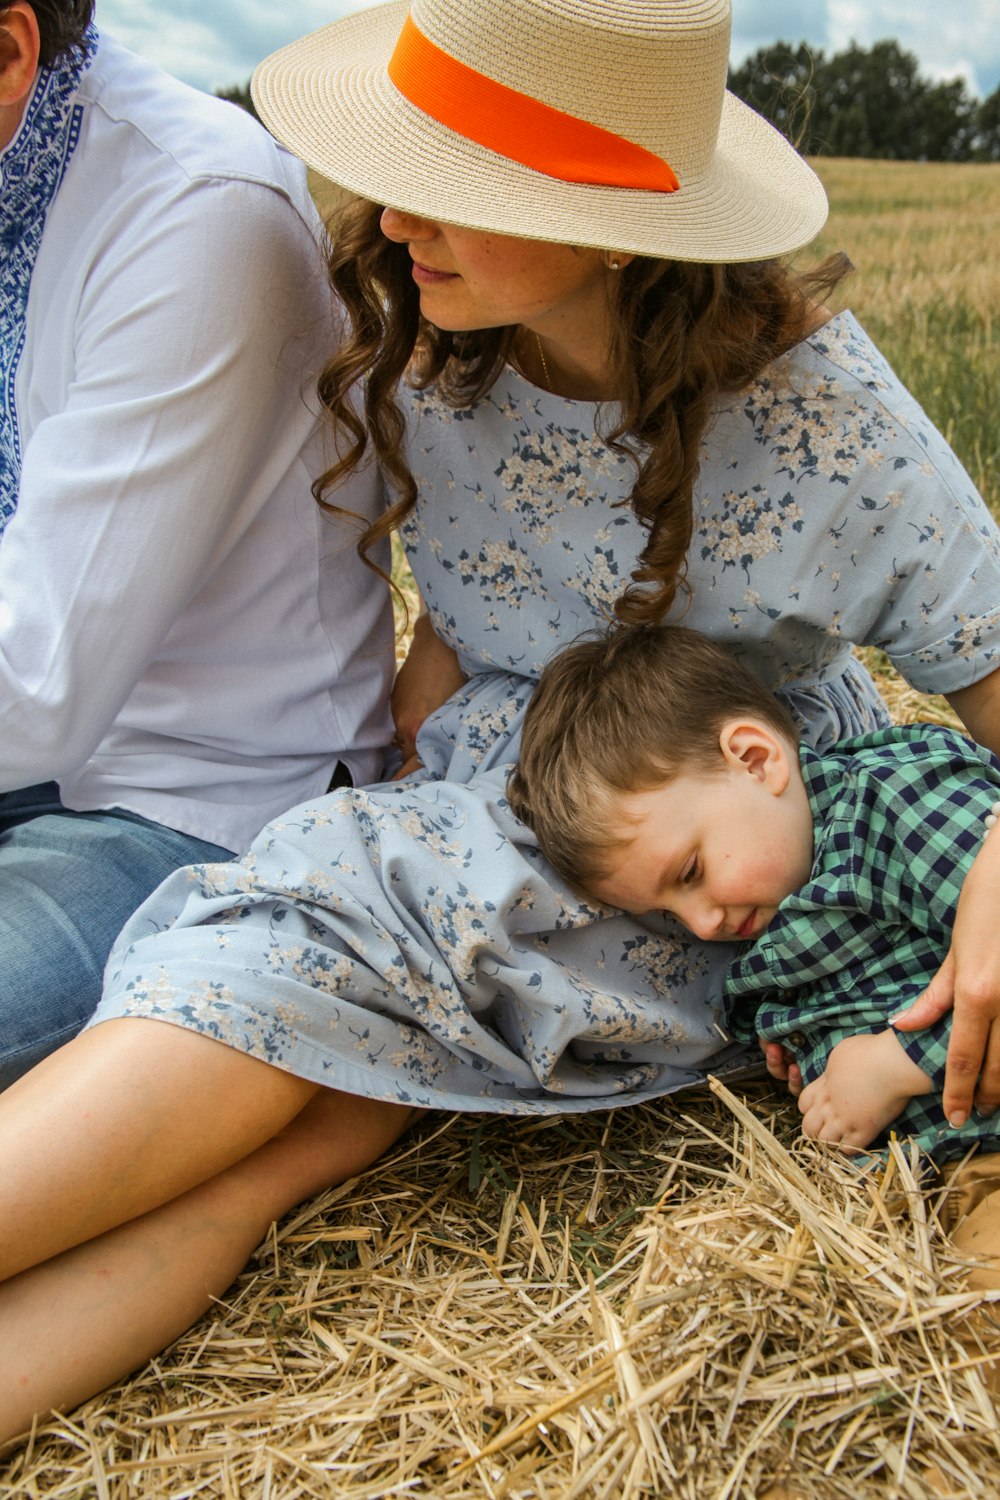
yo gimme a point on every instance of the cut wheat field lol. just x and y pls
(681, 1299)
(923, 239)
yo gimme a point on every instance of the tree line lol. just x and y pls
(239, 94)
(872, 103)
(860, 102)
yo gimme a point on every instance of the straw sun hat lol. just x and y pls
(589, 122)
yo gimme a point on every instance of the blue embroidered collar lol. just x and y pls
(31, 169)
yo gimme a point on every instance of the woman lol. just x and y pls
(596, 419)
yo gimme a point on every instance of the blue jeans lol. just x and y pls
(68, 883)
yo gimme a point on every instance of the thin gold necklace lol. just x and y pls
(545, 365)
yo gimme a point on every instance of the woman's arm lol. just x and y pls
(978, 707)
(428, 676)
(969, 978)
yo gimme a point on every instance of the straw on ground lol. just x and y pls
(677, 1300)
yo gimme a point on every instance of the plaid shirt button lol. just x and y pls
(796, 1039)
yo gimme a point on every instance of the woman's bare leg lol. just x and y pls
(89, 1316)
(125, 1117)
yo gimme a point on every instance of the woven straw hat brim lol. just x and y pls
(328, 98)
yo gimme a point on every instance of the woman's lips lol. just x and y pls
(746, 928)
(428, 276)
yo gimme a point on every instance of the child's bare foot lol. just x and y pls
(868, 1081)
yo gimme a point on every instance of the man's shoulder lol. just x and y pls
(137, 107)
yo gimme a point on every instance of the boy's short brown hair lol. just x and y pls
(624, 712)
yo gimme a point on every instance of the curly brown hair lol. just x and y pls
(684, 332)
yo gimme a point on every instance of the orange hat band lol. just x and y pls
(515, 125)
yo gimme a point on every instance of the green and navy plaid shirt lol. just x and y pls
(898, 818)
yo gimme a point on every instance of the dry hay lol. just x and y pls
(905, 704)
(680, 1299)
(683, 1299)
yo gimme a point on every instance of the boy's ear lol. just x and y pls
(754, 748)
(19, 52)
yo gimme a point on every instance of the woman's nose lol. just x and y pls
(403, 227)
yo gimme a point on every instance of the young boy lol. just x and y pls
(658, 773)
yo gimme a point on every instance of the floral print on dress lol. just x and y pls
(407, 941)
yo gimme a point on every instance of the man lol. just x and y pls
(188, 645)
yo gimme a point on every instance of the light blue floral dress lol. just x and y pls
(407, 941)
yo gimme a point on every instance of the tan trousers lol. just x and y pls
(972, 1217)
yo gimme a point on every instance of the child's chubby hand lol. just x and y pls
(781, 1065)
(868, 1081)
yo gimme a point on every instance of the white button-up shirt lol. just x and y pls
(183, 633)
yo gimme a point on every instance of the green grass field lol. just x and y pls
(923, 239)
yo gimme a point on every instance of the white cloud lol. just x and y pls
(960, 68)
(757, 23)
(213, 43)
(943, 34)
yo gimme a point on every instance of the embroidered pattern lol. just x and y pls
(31, 171)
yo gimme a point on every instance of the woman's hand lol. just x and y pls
(427, 678)
(969, 978)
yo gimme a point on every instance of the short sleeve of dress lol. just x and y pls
(937, 545)
(832, 506)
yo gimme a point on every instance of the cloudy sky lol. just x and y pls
(213, 43)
